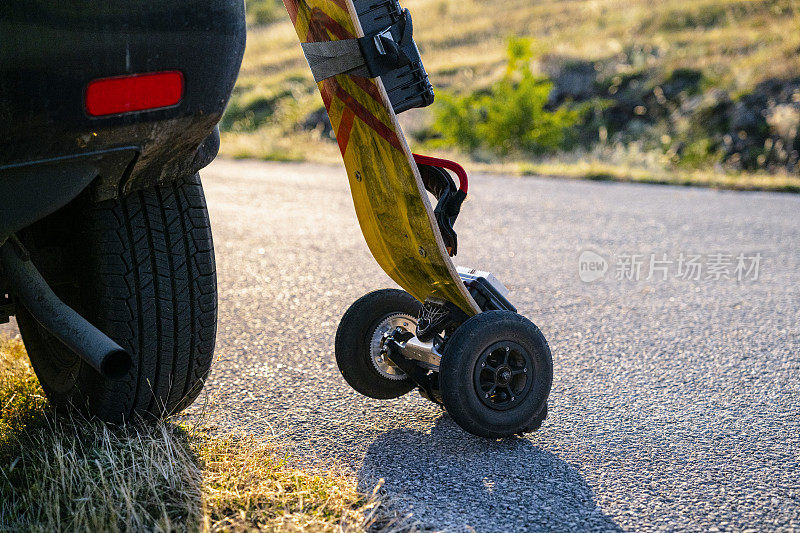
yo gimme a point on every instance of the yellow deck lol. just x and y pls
(392, 206)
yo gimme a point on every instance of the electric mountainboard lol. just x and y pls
(451, 333)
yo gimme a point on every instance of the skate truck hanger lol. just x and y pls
(451, 333)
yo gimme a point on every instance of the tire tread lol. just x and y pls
(150, 284)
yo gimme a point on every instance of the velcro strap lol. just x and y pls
(370, 56)
(329, 58)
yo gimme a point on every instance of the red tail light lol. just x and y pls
(137, 92)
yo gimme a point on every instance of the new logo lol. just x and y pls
(591, 266)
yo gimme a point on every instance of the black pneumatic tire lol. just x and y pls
(146, 277)
(460, 362)
(353, 337)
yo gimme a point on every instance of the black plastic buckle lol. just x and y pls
(387, 51)
(391, 48)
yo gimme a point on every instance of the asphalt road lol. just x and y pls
(675, 403)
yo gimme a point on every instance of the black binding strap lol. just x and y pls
(370, 56)
(449, 199)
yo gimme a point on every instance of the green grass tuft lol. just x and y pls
(66, 473)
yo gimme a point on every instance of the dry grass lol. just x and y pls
(623, 164)
(735, 43)
(68, 474)
(602, 171)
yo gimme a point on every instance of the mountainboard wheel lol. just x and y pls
(496, 374)
(359, 342)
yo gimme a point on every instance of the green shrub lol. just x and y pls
(509, 117)
(700, 153)
(250, 110)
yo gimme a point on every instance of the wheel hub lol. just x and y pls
(503, 375)
(380, 362)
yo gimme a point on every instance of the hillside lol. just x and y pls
(666, 86)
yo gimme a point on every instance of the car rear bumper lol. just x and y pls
(53, 49)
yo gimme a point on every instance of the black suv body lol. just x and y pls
(107, 112)
(51, 52)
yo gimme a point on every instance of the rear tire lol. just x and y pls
(496, 374)
(365, 371)
(146, 277)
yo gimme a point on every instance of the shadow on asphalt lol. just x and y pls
(452, 480)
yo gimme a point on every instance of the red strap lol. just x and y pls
(463, 182)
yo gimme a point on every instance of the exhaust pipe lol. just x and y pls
(32, 291)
